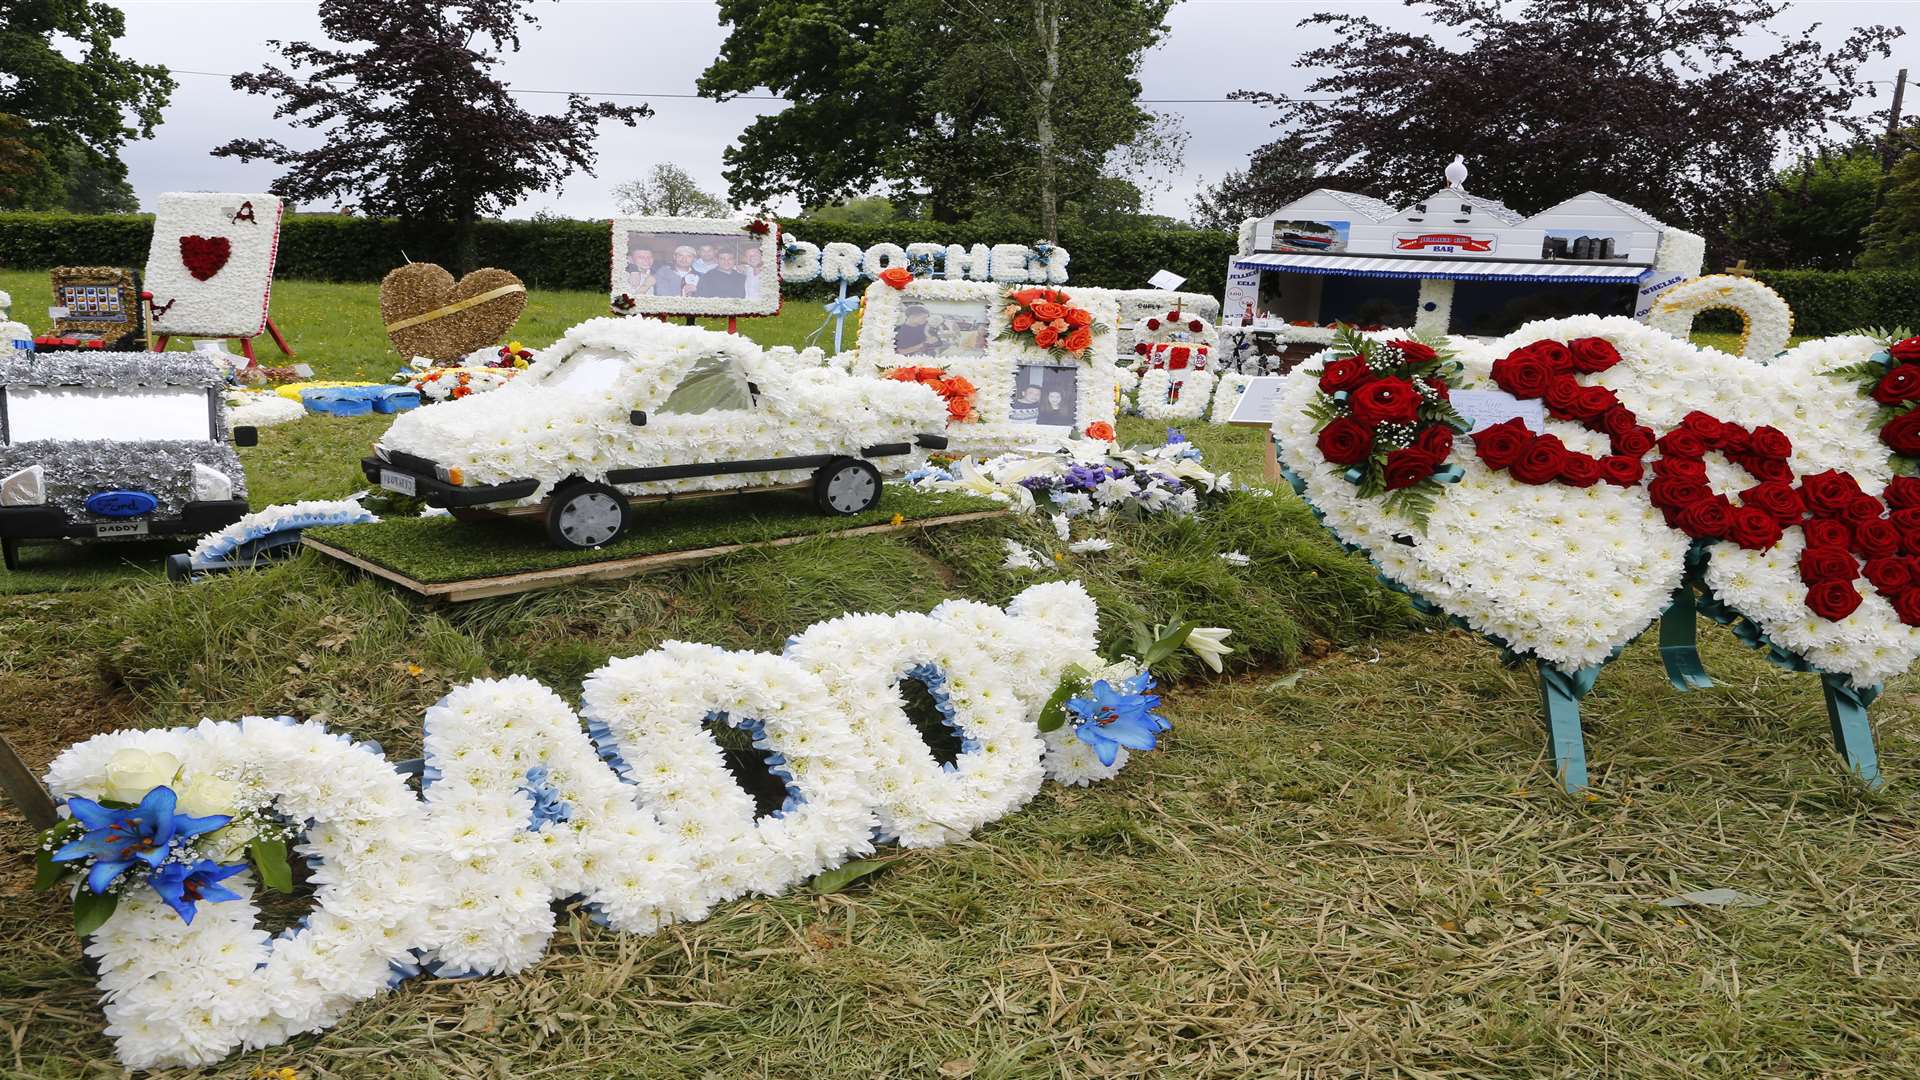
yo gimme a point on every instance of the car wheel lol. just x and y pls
(586, 516)
(846, 486)
(10, 553)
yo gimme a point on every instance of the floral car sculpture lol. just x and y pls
(114, 446)
(621, 411)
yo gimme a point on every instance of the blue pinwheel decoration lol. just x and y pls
(183, 885)
(1115, 716)
(116, 838)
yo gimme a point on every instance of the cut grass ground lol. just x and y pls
(1349, 859)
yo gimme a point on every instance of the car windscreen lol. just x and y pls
(114, 414)
(589, 371)
(713, 382)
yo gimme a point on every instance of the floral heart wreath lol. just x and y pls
(1562, 545)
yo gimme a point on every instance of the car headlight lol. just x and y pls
(27, 487)
(451, 474)
(210, 485)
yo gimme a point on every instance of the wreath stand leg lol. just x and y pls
(1679, 651)
(23, 788)
(1560, 694)
(246, 343)
(1852, 734)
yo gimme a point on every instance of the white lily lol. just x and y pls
(1209, 644)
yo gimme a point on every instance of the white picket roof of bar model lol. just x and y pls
(1456, 269)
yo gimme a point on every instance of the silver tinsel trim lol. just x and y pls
(107, 369)
(163, 469)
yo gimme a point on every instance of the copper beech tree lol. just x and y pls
(415, 124)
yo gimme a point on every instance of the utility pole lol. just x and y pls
(1887, 148)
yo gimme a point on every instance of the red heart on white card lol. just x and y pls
(203, 256)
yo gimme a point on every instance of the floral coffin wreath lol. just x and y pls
(1569, 572)
(520, 806)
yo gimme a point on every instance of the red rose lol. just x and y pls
(1562, 393)
(1684, 468)
(1406, 468)
(1413, 351)
(1344, 374)
(1778, 501)
(1382, 401)
(1903, 491)
(1620, 470)
(897, 276)
(1346, 441)
(1023, 322)
(1195, 325)
(1141, 347)
(1828, 492)
(1556, 356)
(1541, 461)
(1079, 317)
(1771, 470)
(1521, 374)
(1900, 384)
(1907, 604)
(1889, 576)
(1045, 336)
(1676, 494)
(1500, 445)
(1635, 441)
(1833, 600)
(1819, 564)
(1047, 310)
(1821, 532)
(1438, 386)
(1591, 354)
(1862, 508)
(1770, 442)
(1435, 441)
(1619, 419)
(1580, 470)
(1153, 324)
(1902, 433)
(1594, 402)
(1754, 529)
(1905, 350)
(1708, 518)
(1706, 427)
(1908, 522)
(1077, 341)
(1876, 538)
(1682, 443)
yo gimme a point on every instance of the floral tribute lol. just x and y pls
(1090, 478)
(1770, 494)
(956, 391)
(1891, 377)
(1047, 320)
(1384, 421)
(1547, 371)
(170, 833)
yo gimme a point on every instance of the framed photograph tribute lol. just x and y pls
(695, 266)
(964, 331)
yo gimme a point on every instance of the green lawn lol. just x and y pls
(1350, 858)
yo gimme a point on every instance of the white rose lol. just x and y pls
(204, 795)
(132, 773)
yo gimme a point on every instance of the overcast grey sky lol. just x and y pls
(646, 47)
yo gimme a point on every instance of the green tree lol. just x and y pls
(414, 123)
(960, 107)
(1816, 215)
(63, 120)
(667, 190)
(1893, 239)
(866, 210)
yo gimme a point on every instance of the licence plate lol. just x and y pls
(120, 528)
(397, 481)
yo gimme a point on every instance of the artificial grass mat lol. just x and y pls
(438, 550)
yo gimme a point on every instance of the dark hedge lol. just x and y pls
(557, 254)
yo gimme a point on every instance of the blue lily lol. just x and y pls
(182, 885)
(115, 839)
(1116, 716)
